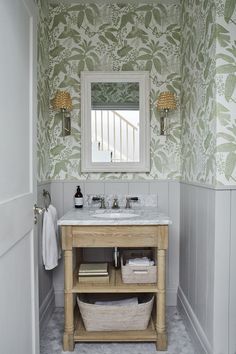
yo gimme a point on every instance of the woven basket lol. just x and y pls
(137, 274)
(115, 318)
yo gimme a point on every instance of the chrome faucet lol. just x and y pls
(115, 204)
(102, 206)
(100, 199)
(128, 200)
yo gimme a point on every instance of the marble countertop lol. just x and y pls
(92, 216)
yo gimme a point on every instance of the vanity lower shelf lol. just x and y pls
(81, 335)
(75, 238)
(115, 285)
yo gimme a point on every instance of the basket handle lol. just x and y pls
(140, 271)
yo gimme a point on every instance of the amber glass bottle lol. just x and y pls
(79, 200)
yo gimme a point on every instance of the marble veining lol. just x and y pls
(179, 341)
(87, 216)
(144, 200)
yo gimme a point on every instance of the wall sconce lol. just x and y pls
(165, 102)
(63, 102)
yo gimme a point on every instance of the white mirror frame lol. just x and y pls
(88, 77)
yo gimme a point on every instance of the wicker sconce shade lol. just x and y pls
(166, 101)
(62, 100)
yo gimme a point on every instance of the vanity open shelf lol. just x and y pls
(81, 335)
(115, 285)
(150, 231)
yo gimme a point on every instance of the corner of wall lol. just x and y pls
(194, 329)
(46, 309)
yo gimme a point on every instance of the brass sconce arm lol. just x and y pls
(163, 125)
(166, 102)
(66, 123)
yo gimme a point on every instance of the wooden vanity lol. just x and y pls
(74, 238)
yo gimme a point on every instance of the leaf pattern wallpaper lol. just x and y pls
(208, 95)
(188, 47)
(226, 91)
(110, 92)
(114, 37)
(43, 94)
(198, 140)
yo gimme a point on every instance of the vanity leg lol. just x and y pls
(68, 338)
(161, 343)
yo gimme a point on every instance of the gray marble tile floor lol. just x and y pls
(179, 341)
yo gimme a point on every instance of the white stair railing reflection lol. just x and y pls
(113, 132)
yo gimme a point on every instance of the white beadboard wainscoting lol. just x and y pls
(207, 282)
(62, 193)
(201, 256)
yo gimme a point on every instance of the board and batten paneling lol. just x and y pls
(221, 273)
(168, 202)
(232, 277)
(196, 283)
(207, 285)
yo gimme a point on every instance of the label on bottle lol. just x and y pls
(79, 201)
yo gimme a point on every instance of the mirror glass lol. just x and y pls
(115, 121)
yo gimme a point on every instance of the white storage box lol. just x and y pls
(113, 317)
(137, 273)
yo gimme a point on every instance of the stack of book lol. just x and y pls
(93, 273)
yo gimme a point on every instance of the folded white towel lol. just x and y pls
(131, 301)
(144, 261)
(50, 249)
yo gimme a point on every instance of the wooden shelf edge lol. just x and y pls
(115, 286)
(108, 290)
(81, 335)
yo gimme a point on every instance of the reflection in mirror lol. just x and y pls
(115, 121)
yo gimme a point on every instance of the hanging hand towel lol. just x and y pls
(49, 235)
(54, 216)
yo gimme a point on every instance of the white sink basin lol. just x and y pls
(115, 215)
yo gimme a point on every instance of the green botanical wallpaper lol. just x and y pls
(115, 92)
(75, 37)
(43, 134)
(226, 91)
(114, 37)
(198, 48)
(208, 95)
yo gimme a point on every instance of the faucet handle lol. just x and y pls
(115, 204)
(100, 199)
(103, 205)
(128, 200)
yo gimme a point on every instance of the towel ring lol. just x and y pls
(47, 199)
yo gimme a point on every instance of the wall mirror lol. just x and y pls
(115, 121)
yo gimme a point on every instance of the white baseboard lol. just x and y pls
(46, 309)
(171, 297)
(59, 297)
(194, 329)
